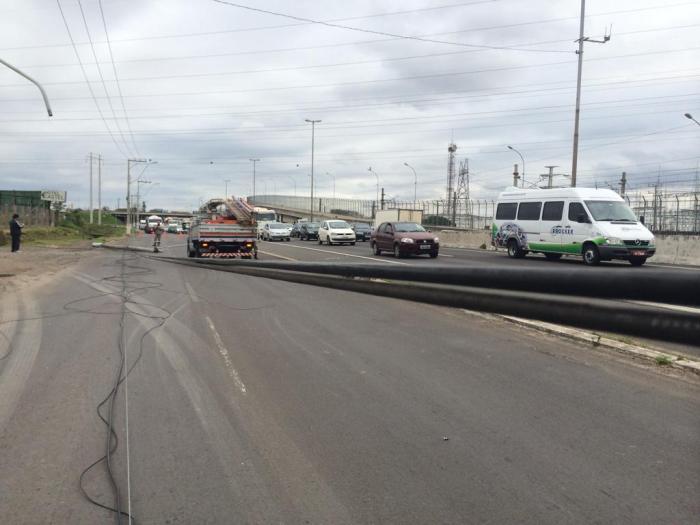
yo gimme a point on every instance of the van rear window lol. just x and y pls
(529, 211)
(506, 211)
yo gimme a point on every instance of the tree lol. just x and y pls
(437, 220)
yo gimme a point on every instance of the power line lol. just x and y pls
(102, 78)
(116, 79)
(87, 81)
(384, 33)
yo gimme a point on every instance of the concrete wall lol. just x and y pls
(670, 249)
(677, 249)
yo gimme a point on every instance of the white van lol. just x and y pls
(596, 224)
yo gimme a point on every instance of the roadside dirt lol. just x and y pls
(37, 264)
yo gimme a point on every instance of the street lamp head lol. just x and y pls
(689, 116)
(510, 147)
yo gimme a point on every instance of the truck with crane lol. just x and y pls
(223, 228)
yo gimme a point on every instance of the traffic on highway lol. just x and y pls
(349, 263)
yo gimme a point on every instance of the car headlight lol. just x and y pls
(436, 240)
(407, 240)
(613, 240)
(652, 241)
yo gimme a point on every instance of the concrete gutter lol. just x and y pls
(681, 362)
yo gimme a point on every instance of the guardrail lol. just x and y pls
(596, 301)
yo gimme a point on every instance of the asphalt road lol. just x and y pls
(260, 401)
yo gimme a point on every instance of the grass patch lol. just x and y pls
(663, 360)
(75, 226)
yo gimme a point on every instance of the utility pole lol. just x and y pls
(129, 214)
(516, 176)
(581, 40)
(313, 136)
(521, 158)
(382, 201)
(550, 176)
(99, 189)
(91, 206)
(623, 183)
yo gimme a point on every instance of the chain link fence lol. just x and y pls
(662, 212)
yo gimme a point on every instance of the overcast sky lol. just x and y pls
(208, 86)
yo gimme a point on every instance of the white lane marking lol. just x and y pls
(227, 359)
(191, 293)
(444, 255)
(675, 307)
(342, 253)
(276, 255)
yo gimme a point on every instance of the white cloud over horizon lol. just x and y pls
(207, 86)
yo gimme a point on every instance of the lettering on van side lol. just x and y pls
(562, 230)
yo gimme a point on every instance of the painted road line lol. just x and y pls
(276, 255)
(227, 359)
(444, 255)
(342, 253)
(191, 292)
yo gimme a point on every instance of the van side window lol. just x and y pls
(529, 211)
(506, 211)
(553, 211)
(576, 209)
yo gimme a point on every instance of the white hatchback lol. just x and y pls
(333, 232)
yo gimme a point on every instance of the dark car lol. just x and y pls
(295, 229)
(403, 239)
(362, 231)
(308, 231)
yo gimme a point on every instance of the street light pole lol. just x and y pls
(41, 89)
(129, 215)
(522, 179)
(333, 177)
(690, 117)
(226, 181)
(295, 184)
(415, 181)
(313, 132)
(375, 174)
(254, 161)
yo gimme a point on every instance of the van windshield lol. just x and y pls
(610, 211)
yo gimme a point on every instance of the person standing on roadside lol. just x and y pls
(157, 233)
(15, 232)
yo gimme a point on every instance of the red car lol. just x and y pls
(403, 239)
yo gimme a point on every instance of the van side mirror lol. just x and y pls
(641, 219)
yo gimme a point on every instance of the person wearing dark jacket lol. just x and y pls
(15, 232)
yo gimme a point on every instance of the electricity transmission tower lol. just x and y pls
(462, 193)
(451, 149)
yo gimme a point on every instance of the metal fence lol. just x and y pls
(663, 212)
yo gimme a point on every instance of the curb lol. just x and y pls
(596, 340)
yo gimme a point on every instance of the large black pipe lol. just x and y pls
(672, 287)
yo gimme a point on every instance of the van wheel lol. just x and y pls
(553, 256)
(637, 261)
(591, 257)
(375, 249)
(514, 250)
